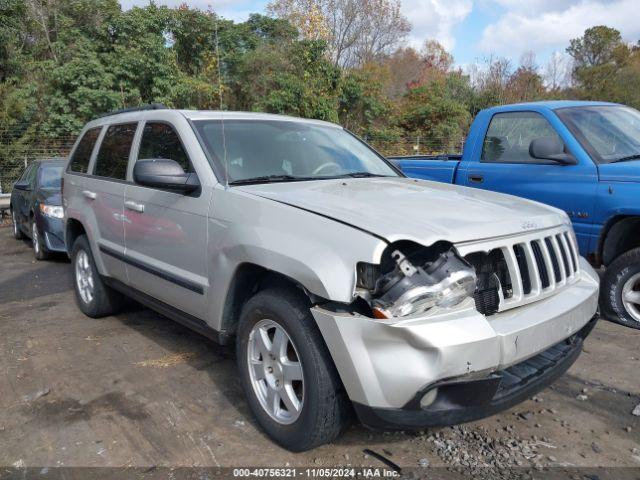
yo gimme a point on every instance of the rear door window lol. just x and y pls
(79, 162)
(160, 140)
(113, 155)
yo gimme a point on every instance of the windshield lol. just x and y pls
(608, 133)
(50, 176)
(276, 150)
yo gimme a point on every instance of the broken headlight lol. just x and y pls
(410, 288)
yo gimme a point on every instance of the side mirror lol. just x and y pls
(22, 185)
(165, 174)
(551, 148)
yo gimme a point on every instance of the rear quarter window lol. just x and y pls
(79, 161)
(113, 155)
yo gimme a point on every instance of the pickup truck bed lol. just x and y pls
(440, 168)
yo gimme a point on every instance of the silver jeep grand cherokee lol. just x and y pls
(345, 285)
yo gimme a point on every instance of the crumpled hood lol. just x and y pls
(620, 172)
(408, 209)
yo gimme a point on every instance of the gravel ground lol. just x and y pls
(137, 390)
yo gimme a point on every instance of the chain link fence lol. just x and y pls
(415, 145)
(17, 150)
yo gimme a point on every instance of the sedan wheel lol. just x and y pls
(35, 239)
(276, 371)
(17, 233)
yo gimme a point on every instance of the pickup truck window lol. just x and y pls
(113, 156)
(273, 151)
(510, 134)
(609, 133)
(160, 140)
(80, 160)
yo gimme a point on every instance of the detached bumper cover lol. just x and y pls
(460, 401)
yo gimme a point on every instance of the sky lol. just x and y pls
(474, 30)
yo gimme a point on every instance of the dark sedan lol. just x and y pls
(36, 207)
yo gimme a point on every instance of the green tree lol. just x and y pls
(598, 55)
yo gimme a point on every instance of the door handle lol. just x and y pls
(89, 194)
(136, 207)
(476, 178)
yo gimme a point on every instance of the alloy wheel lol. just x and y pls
(275, 371)
(631, 296)
(84, 277)
(35, 240)
(15, 223)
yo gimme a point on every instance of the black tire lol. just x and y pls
(17, 232)
(40, 251)
(326, 411)
(105, 301)
(617, 274)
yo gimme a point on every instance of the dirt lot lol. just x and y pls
(139, 390)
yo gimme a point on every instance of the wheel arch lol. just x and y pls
(248, 279)
(73, 229)
(618, 237)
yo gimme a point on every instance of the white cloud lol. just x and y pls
(435, 19)
(553, 23)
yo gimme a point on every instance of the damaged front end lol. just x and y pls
(412, 279)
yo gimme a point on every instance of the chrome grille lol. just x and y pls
(538, 264)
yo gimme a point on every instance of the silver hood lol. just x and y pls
(408, 209)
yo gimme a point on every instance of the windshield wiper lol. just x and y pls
(627, 158)
(268, 179)
(361, 175)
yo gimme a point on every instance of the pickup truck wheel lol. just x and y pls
(290, 381)
(93, 297)
(17, 232)
(620, 291)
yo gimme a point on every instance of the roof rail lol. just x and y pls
(150, 106)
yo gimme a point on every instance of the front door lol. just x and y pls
(166, 232)
(506, 166)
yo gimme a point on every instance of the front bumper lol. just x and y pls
(386, 365)
(459, 401)
(52, 229)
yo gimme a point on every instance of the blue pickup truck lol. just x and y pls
(581, 157)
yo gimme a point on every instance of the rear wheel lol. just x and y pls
(17, 232)
(287, 373)
(93, 296)
(620, 295)
(39, 248)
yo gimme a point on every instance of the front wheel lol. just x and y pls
(620, 290)
(39, 249)
(17, 232)
(290, 381)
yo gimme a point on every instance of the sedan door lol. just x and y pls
(165, 231)
(506, 166)
(20, 199)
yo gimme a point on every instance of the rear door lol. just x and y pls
(103, 191)
(504, 165)
(166, 232)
